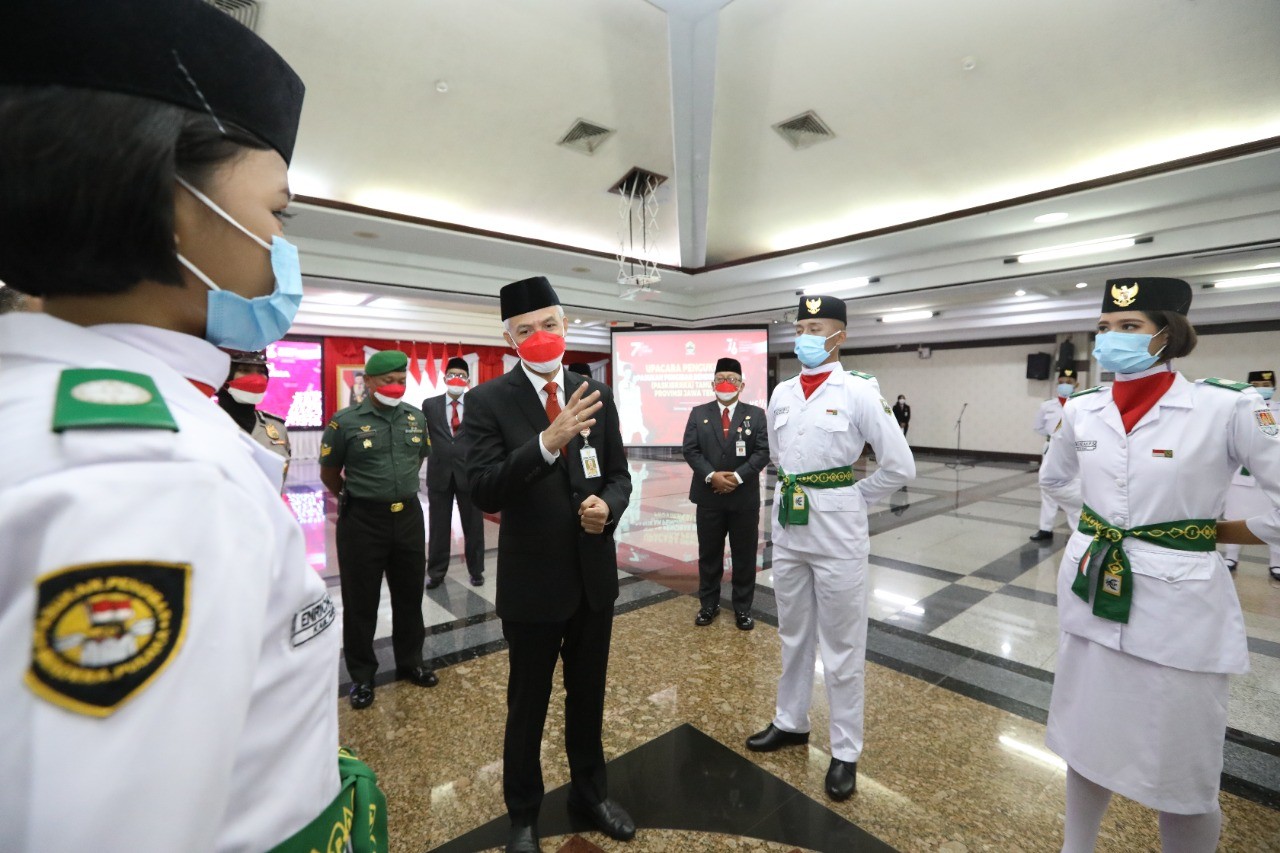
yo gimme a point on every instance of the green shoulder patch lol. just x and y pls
(94, 399)
(1239, 387)
(104, 631)
(860, 374)
(1086, 391)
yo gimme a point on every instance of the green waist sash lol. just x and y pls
(355, 821)
(793, 504)
(1111, 576)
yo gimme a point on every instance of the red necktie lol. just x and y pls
(553, 405)
(810, 382)
(456, 421)
(724, 421)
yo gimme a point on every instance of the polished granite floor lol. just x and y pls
(961, 652)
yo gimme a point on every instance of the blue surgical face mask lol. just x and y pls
(1125, 352)
(1266, 392)
(812, 349)
(237, 322)
(1065, 390)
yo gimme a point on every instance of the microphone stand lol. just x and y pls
(960, 461)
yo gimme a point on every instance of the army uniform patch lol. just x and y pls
(104, 631)
(1266, 422)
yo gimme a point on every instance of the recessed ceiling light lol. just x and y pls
(1019, 293)
(577, 320)
(336, 298)
(1046, 218)
(1080, 284)
(390, 302)
(810, 265)
(1247, 280)
(365, 235)
(1073, 250)
(906, 316)
(442, 86)
(1265, 266)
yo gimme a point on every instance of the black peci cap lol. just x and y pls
(246, 357)
(1146, 294)
(183, 52)
(732, 365)
(456, 363)
(529, 294)
(1262, 376)
(812, 307)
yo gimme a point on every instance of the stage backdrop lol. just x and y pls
(344, 360)
(660, 375)
(294, 390)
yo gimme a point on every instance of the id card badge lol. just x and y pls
(590, 464)
(742, 447)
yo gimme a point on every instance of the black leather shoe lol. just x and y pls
(706, 616)
(608, 817)
(773, 738)
(1041, 536)
(744, 621)
(361, 695)
(477, 580)
(842, 779)
(434, 582)
(1231, 565)
(1274, 571)
(523, 839)
(419, 675)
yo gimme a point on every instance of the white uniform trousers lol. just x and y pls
(822, 605)
(1049, 513)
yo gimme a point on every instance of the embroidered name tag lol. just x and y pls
(310, 621)
(781, 411)
(1086, 445)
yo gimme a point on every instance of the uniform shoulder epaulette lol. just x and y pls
(1087, 391)
(860, 374)
(1239, 387)
(100, 398)
(271, 417)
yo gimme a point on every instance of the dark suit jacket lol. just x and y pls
(902, 413)
(546, 561)
(446, 450)
(706, 450)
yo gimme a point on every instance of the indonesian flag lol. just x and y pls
(431, 363)
(415, 370)
(109, 610)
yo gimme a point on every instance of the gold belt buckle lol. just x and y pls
(397, 506)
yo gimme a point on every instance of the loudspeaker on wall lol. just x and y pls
(1038, 365)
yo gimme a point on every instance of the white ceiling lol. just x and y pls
(1058, 94)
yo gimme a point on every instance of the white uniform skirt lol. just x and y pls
(1151, 733)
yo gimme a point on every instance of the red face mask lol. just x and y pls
(456, 381)
(726, 388)
(395, 392)
(542, 348)
(250, 383)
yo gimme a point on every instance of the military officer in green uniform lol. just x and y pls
(379, 445)
(239, 396)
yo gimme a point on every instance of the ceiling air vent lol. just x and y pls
(585, 136)
(244, 11)
(638, 181)
(804, 130)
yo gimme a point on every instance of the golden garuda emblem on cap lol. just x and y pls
(1124, 296)
(1267, 374)
(814, 305)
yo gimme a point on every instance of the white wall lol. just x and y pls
(1232, 356)
(1002, 401)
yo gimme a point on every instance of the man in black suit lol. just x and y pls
(726, 443)
(447, 480)
(543, 447)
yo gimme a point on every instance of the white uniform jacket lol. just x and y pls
(230, 745)
(1048, 416)
(1241, 478)
(829, 430)
(1175, 464)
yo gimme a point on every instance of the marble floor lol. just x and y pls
(961, 653)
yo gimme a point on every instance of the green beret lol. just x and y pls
(385, 362)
